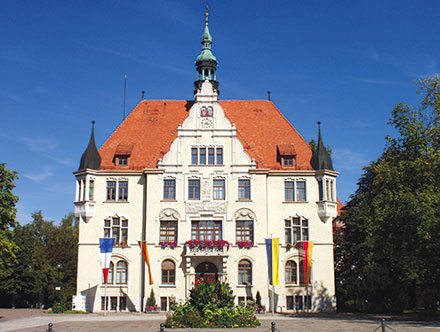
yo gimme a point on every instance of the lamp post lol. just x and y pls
(58, 288)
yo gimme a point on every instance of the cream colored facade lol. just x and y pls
(146, 207)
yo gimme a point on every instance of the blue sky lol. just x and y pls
(62, 65)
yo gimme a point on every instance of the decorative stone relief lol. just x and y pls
(206, 189)
(196, 207)
(245, 214)
(169, 214)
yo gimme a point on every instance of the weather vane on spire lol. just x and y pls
(207, 6)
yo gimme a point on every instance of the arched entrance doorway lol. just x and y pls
(206, 270)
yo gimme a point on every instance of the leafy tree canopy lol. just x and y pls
(387, 255)
(7, 220)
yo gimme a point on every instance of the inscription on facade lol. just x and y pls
(196, 207)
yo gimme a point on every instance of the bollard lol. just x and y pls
(383, 324)
(162, 327)
(272, 327)
(49, 327)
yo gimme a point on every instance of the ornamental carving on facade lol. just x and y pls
(245, 214)
(196, 207)
(169, 214)
(206, 189)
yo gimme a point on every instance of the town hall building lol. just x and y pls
(204, 182)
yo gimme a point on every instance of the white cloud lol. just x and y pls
(38, 177)
(38, 144)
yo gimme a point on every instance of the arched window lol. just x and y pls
(121, 272)
(110, 273)
(301, 273)
(291, 272)
(244, 272)
(168, 272)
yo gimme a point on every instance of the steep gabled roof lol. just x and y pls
(152, 126)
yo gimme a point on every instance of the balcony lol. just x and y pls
(84, 210)
(327, 210)
(206, 248)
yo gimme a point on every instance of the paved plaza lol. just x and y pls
(37, 321)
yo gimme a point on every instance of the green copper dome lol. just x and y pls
(206, 45)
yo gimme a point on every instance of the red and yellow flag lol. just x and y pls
(307, 247)
(144, 249)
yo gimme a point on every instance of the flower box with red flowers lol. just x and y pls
(245, 244)
(170, 244)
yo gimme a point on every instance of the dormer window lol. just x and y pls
(122, 155)
(121, 160)
(286, 155)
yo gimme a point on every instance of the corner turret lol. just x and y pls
(321, 158)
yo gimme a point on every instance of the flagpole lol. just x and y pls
(273, 287)
(105, 300)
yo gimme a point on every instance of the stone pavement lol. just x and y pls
(143, 322)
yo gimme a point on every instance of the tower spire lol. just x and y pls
(321, 159)
(90, 158)
(206, 62)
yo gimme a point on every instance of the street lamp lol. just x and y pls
(58, 288)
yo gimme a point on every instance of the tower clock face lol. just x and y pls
(206, 112)
(206, 123)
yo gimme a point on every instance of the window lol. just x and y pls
(123, 190)
(117, 228)
(244, 189)
(202, 158)
(291, 272)
(289, 189)
(219, 189)
(121, 272)
(211, 156)
(244, 230)
(299, 302)
(199, 156)
(169, 189)
(320, 190)
(219, 156)
(296, 229)
(301, 273)
(206, 230)
(110, 273)
(329, 190)
(194, 156)
(91, 189)
(242, 300)
(300, 190)
(194, 189)
(121, 160)
(111, 190)
(168, 231)
(287, 161)
(244, 272)
(168, 272)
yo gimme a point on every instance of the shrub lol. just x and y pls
(211, 304)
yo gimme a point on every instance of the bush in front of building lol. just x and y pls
(211, 304)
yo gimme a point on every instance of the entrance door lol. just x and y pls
(207, 270)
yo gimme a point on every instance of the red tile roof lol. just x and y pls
(151, 127)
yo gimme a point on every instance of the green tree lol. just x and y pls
(42, 247)
(7, 220)
(387, 254)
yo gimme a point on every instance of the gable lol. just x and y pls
(152, 126)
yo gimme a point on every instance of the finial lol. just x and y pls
(319, 124)
(268, 95)
(93, 124)
(143, 94)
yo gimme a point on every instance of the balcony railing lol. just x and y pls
(206, 248)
